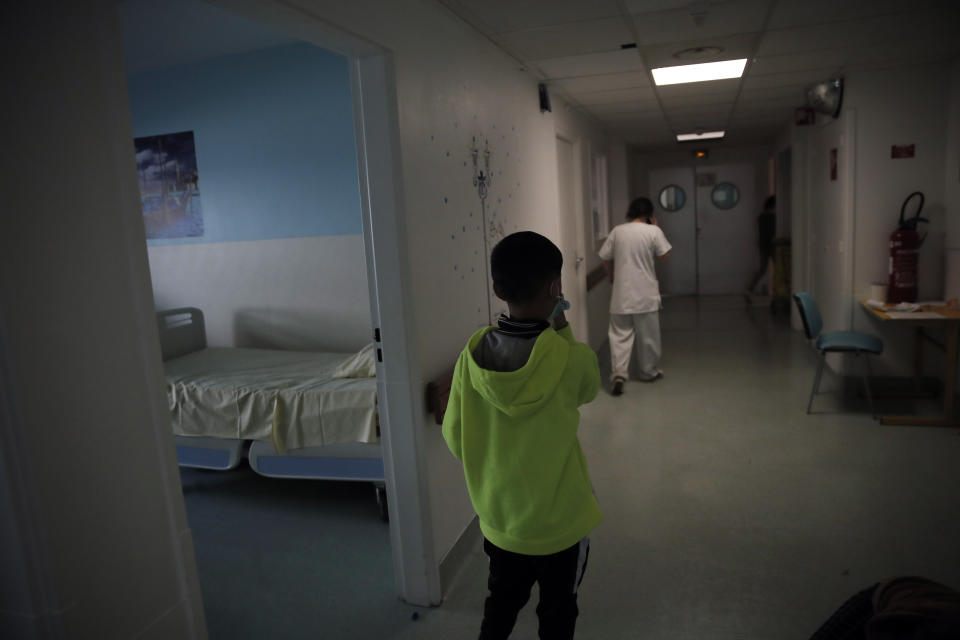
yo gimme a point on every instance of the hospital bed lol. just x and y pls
(290, 414)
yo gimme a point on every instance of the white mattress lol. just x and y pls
(287, 397)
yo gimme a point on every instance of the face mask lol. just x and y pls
(562, 305)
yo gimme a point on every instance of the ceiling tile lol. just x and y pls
(609, 97)
(853, 34)
(702, 100)
(649, 6)
(644, 117)
(700, 110)
(567, 40)
(903, 52)
(790, 79)
(745, 115)
(767, 121)
(788, 102)
(501, 16)
(795, 91)
(707, 120)
(729, 18)
(590, 64)
(734, 47)
(604, 82)
(601, 110)
(792, 62)
(809, 12)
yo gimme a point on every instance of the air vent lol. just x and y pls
(698, 53)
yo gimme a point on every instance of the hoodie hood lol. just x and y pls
(524, 391)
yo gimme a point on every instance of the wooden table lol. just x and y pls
(948, 319)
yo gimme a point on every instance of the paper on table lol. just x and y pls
(914, 315)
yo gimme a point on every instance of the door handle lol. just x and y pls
(578, 261)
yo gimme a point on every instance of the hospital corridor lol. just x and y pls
(354, 320)
(728, 514)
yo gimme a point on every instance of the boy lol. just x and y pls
(512, 421)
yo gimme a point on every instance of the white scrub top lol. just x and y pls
(633, 247)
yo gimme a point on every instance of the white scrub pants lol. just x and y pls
(622, 329)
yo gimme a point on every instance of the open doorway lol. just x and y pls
(288, 282)
(569, 174)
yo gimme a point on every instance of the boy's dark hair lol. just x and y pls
(522, 263)
(640, 208)
(770, 203)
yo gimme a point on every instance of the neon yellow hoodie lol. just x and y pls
(516, 434)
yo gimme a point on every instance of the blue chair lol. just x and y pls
(835, 342)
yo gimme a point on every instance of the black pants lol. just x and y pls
(512, 576)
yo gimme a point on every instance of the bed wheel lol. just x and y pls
(382, 502)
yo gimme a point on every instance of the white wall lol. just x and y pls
(898, 106)
(279, 262)
(881, 107)
(285, 293)
(99, 523)
(452, 85)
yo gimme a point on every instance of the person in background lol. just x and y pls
(512, 421)
(629, 255)
(766, 232)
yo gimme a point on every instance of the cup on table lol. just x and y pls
(878, 291)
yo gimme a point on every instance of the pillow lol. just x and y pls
(359, 365)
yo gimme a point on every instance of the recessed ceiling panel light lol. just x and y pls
(699, 72)
(706, 135)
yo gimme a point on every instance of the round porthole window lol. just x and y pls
(725, 195)
(672, 198)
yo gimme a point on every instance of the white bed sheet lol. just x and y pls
(287, 397)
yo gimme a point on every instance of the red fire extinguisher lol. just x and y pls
(905, 245)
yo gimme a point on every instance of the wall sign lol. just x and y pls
(898, 151)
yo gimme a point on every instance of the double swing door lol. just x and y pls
(713, 228)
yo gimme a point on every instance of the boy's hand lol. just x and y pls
(560, 321)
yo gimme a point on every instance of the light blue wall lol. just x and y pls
(274, 139)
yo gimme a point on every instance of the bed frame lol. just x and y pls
(182, 331)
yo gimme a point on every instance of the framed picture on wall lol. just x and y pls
(169, 185)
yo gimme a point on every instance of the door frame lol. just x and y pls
(377, 130)
(580, 316)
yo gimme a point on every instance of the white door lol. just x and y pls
(571, 236)
(678, 272)
(729, 257)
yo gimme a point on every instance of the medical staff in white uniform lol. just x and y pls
(628, 255)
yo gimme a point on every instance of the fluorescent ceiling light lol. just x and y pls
(700, 72)
(706, 135)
